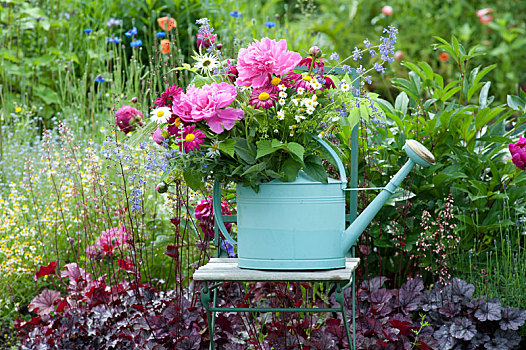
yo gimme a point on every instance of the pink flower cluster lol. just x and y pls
(518, 153)
(127, 118)
(209, 103)
(108, 241)
(204, 212)
(484, 15)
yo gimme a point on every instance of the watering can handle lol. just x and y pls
(216, 196)
(216, 204)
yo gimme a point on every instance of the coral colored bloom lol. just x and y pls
(108, 241)
(262, 58)
(398, 55)
(207, 103)
(204, 212)
(486, 19)
(387, 10)
(127, 118)
(518, 153)
(443, 56)
(165, 46)
(484, 12)
(192, 139)
(166, 23)
(263, 98)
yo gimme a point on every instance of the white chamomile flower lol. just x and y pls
(315, 103)
(213, 150)
(345, 87)
(301, 91)
(281, 115)
(206, 62)
(282, 94)
(282, 87)
(310, 110)
(315, 85)
(335, 119)
(306, 102)
(276, 131)
(161, 115)
(281, 101)
(296, 101)
(299, 118)
(321, 134)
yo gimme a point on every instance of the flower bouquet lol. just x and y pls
(259, 118)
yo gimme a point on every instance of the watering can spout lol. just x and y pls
(418, 154)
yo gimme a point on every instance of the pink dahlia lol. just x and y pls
(263, 98)
(192, 138)
(256, 63)
(207, 103)
(127, 118)
(205, 214)
(518, 153)
(168, 96)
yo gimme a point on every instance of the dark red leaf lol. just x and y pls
(172, 251)
(46, 270)
(44, 303)
(175, 221)
(403, 326)
(62, 305)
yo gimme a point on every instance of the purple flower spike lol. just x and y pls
(518, 153)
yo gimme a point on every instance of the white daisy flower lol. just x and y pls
(161, 115)
(281, 115)
(213, 150)
(301, 91)
(344, 86)
(276, 131)
(281, 101)
(310, 110)
(282, 87)
(313, 82)
(282, 94)
(299, 118)
(206, 62)
(316, 86)
(296, 101)
(321, 134)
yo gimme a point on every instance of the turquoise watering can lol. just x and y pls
(300, 225)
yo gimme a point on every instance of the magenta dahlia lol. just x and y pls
(518, 153)
(263, 98)
(127, 118)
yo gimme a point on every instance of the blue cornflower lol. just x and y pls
(136, 43)
(161, 34)
(87, 30)
(357, 54)
(113, 40)
(235, 14)
(270, 24)
(335, 56)
(131, 32)
(100, 79)
(379, 68)
(367, 43)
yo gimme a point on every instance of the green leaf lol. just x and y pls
(200, 81)
(255, 168)
(296, 150)
(516, 103)
(313, 167)
(401, 102)
(227, 147)
(290, 168)
(483, 97)
(46, 94)
(265, 147)
(193, 179)
(243, 152)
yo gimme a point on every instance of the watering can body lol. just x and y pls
(291, 225)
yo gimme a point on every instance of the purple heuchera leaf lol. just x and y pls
(512, 338)
(410, 295)
(445, 338)
(512, 318)
(497, 344)
(463, 328)
(478, 339)
(489, 311)
(461, 290)
(371, 285)
(449, 309)
(44, 303)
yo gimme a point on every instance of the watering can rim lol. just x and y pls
(301, 179)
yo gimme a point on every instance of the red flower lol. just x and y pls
(443, 56)
(204, 213)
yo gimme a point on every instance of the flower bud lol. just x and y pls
(162, 187)
(518, 153)
(315, 52)
(134, 99)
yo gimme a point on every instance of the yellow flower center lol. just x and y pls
(275, 81)
(314, 98)
(18, 110)
(307, 77)
(190, 137)
(177, 122)
(263, 96)
(160, 113)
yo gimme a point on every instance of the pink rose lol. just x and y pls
(127, 118)
(207, 103)
(387, 10)
(518, 153)
(256, 63)
(205, 214)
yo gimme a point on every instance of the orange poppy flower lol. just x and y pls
(443, 56)
(165, 46)
(166, 23)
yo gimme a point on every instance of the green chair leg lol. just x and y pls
(205, 300)
(339, 297)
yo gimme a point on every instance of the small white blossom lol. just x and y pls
(281, 115)
(301, 91)
(344, 86)
(310, 110)
(282, 87)
(281, 101)
(161, 115)
(282, 94)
